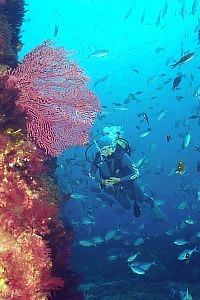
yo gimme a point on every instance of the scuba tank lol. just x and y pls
(122, 145)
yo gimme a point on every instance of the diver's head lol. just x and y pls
(106, 145)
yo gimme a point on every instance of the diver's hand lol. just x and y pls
(111, 181)
(114, 180)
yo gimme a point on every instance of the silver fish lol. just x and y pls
(86, 243)
(98, 53)
(97, 240)
(190, 221)
(112, 258)
(88, 221)
(147, 265)
(144, 134)
(160, 115)
(180, 242)
(137, 270)
(186, 254)
(133, 257)
(186, 140)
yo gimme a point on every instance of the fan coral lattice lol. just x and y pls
(60, 108)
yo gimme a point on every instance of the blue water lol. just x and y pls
(131, 65)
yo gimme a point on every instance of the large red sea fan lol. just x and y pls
(60, 107)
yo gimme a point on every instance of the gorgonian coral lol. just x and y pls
(60, 107)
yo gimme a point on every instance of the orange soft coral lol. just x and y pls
(25, 216)
(25, 265)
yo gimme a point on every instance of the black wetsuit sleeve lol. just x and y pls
(128, 163)
(93, 172)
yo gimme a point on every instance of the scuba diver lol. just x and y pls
(117, 174)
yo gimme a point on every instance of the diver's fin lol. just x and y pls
(158, 215)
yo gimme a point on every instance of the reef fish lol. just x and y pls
(186, 254)
(133, 257)
(146, 118)
(186, 140)
(143, 265)
(127, 15)
(184, 59)
(98, 53)
(176, 82)
(137, 270)
(144, 134)
(55, 30)
(180, 242)
(195, 7)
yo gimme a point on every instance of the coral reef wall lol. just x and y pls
(11, 18)
(35, 246)
(27, 207)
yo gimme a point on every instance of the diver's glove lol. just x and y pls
(91, 176)
(109, 182)
(136, 175)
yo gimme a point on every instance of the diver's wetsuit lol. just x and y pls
(127, 190)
